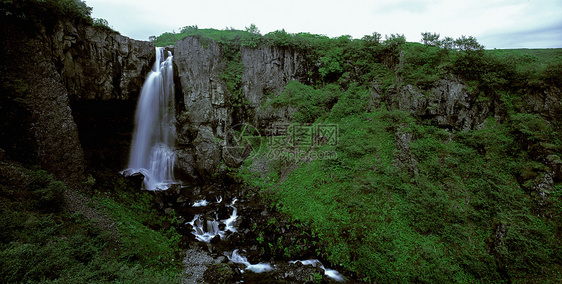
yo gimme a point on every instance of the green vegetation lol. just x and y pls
(74, 9)
(228, 36)
(438, 223)
(41, 241)
(404, 201)
(145, 234)
(46, 12)
(454, 206)
(344, 60)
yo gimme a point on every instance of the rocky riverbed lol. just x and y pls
(233, 236)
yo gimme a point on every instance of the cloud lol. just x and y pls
(492, 22)
(547, 36)
(410, 6)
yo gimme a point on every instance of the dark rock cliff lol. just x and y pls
(99, 64)
(48, 67)
(450, 103)
(207, 113)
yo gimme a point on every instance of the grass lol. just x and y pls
(543, 56)
(42, 242)
(433, 221)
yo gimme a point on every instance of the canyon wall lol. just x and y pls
(47, 67)
(207, 110)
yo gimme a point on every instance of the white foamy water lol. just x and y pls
(257, 268)
(329, 272)
(205, 230)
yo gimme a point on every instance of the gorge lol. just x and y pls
(447, 170)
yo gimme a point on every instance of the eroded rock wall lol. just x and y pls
(207, 111)
(448, 103)
(99, 64)
(49, 66)
(267, 71)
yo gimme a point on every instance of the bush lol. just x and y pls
(46, 194)
(40, 242)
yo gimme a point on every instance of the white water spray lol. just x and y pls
(153, 142)
(329, 272)
(256, 268)
(205, 230)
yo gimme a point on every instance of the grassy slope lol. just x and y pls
(544, 56)
(434, 225)
(43, 242)
(440, 222)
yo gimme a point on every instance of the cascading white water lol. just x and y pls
(256, 268)
(329, 272)
(154, 137)
(205, 230)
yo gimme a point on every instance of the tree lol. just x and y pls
(279, 38)
(431, 39)
(374, 38)
(253, 29)
(252, 38)
(394, 39)
(468, 44)
(188, 29)
(448, 43)
(101, 22)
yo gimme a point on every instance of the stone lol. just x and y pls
(448, 103)
(207, 152)
(198, 68)
(298, 273)
(185, 164)
(219, 273)
(206, 112)
(100, 64)
(555, 164)
(403, 158)
(267, 71)
(53, 133)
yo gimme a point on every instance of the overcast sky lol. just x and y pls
(495, 23)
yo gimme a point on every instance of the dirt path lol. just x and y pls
(78, 203)
(195, 263)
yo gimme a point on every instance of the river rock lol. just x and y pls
(218, 273)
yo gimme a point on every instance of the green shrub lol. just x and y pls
(45, 193)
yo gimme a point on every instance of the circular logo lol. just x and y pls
(242, 141)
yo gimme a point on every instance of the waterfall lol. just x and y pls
(153, 142)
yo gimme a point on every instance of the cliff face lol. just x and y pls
(103, 73)
(70, 91)
(207, 111)
(99, 64)
(267, 71)
(49, 68)
(450, 103)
